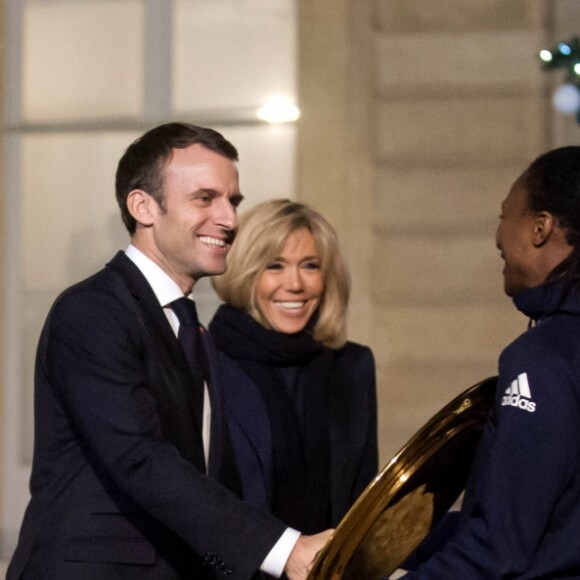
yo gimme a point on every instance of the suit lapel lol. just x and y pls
(172, 365)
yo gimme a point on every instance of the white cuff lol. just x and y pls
(278, 556)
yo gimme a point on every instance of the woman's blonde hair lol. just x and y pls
(263, 231)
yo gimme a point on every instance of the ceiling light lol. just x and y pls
(278, 110)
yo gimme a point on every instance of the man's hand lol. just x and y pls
(302, 556)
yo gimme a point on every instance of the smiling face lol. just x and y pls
(290, 288)
(515, 238)
(190, 233)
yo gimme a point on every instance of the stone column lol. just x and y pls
(334, 169)
(416, 118)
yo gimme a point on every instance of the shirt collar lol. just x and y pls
(164, 287)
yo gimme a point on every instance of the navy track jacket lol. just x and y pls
(521, 512)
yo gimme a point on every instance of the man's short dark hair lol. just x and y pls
(143, 163)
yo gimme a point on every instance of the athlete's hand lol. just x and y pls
(302, 556)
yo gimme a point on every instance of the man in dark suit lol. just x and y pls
(130, 463)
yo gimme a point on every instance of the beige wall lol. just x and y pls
(417, 117)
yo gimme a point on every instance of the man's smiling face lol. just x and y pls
(194, 226)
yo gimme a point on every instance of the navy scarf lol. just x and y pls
(291, 372)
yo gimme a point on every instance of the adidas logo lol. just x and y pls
(518, 394)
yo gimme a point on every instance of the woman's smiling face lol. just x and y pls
(290, 288)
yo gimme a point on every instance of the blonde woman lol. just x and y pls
(301, 399)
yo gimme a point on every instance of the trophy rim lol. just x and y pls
(465, 414)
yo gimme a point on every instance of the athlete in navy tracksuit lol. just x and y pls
(521, 511)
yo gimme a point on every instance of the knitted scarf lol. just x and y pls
(291, 372)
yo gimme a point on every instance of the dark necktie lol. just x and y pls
(189, 336)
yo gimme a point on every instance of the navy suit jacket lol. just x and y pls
(118, 484)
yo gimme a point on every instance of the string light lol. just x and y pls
(566, 99)
(566, 55)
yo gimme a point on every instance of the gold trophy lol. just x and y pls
(410, 495)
